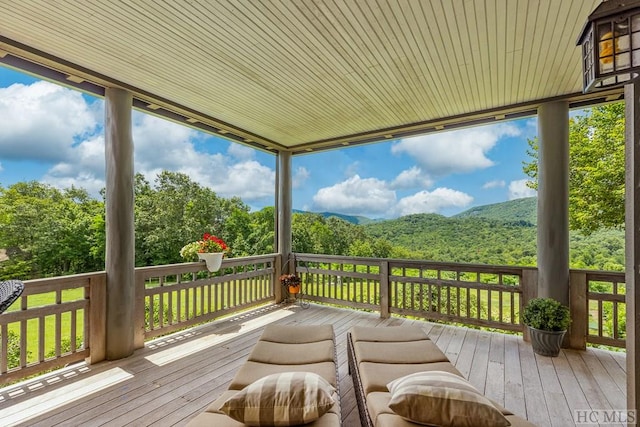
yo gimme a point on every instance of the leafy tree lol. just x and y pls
(375, 248)
(262, 232)
(596, 168)
(176, 211)
(48, 230)
(302, 233)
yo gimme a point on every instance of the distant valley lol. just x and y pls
(502, 233)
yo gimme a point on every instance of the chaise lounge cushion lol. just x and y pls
(292, 354)
(252, 371)
(376, 376)
(283, 399)
(371, 378)
(389, 334)
(443, 399)
(262, 361)
(424, 351)
(293, 334)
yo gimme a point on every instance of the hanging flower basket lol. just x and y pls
(213, 260)
(210, 249)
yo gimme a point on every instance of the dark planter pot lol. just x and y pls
(546, 343)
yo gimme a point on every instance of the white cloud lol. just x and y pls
(41, 121)
(531, 125)
(368, 196)
(494, 184)
(163, 145)
(58, 127)
(371, 197)
(240, 151)
(249, 180)
(86, 180)
(458, 151)
(432, 202)
(412, 178)
(84, 167)
(300, 176)
(518, 190)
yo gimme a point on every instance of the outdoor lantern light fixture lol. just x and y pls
(610, 44)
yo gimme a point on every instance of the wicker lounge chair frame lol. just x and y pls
(361, 397)
(10, 290)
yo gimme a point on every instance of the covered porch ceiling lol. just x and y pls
(310, 75)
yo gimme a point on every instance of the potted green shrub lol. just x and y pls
(547, 321)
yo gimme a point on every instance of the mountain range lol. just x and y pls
(521, 211)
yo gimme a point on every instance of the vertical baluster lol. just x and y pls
(4, 355)
(600, 318)
(74, 325)
(41, 339)
(615, 310)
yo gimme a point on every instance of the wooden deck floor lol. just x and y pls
(174, 378)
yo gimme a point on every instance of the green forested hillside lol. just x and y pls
(475, 240)
(49, 232)
(353, 219)
(503, 233)
(519, 210)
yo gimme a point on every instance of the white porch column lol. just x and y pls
(553, 201)
(119, 262)
(632, 240)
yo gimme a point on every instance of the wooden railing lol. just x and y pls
(478, 295)
(481, 295)
(61, 320)
(605, 305)
(176, 296)
(56, 321)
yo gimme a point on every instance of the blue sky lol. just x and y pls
(54, 135)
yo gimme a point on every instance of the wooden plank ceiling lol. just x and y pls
(309, 74)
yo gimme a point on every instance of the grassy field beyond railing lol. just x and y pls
(49, 325)
(607, 314)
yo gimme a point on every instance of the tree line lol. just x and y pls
(51, 232)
